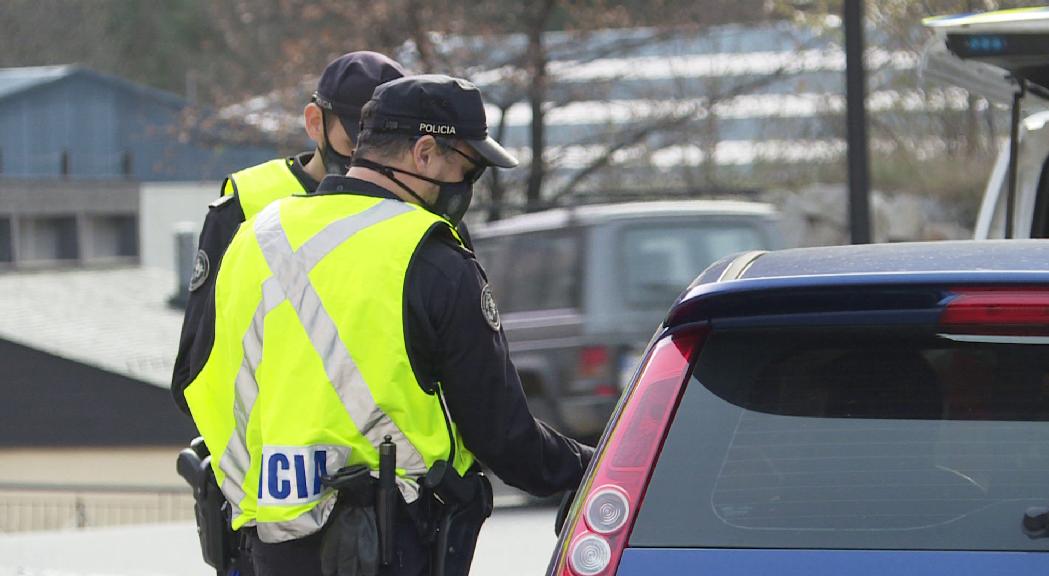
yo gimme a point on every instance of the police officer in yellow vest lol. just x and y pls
(354, 317)
(332, 119)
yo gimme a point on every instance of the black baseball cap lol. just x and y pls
(348, 82)
(438, 105)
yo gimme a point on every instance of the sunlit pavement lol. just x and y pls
(516, 541)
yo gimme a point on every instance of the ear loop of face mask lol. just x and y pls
(334, 162)
(388, 171)
(453, 216)
(453, 198)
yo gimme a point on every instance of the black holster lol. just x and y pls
(350, 545)
(458, 508)
(219, 544)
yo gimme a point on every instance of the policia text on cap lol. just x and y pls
(353, 323)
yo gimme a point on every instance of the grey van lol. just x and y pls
(580, 290)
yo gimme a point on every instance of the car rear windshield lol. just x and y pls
(854, 439)
(661, 260)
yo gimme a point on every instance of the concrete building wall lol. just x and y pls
(67, 488)
(135, 467)
(165, 207)
(50, 221)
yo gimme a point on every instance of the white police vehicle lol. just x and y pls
(1004, 57)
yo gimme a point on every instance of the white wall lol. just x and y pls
(63, 488)
(163, 206)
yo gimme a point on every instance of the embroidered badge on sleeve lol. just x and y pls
(491, 313)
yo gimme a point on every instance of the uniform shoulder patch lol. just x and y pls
(220, 201)
(491, 313)
(201, 269)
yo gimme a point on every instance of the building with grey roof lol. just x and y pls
(75, 147)
(75, 123)
(87, 358)
(88, 430)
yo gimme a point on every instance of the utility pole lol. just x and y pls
(856, 124)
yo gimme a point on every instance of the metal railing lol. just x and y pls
(41, 507)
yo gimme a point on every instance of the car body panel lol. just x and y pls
(645, 561)
(853, 286)
(841, 268)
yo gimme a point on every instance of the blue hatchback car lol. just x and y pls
(860, 410)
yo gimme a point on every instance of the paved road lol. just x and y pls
(514, 542)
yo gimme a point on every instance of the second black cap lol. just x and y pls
(347, 84)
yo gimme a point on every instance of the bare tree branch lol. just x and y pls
(637, 133)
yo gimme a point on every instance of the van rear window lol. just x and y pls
(660, 261)
(543, 274)
(854, 439)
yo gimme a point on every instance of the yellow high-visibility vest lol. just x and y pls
(309, 369)
(259, 185)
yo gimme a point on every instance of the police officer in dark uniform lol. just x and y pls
(383, 240)
(332, 120)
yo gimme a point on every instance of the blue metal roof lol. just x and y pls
(102, 126)
(14, 80)
(17, 80)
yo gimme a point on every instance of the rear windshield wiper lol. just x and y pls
(1036, 522)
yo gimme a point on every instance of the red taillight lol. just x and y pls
(594, 372)
(1008, 311)
(593, 362)
(609, 499)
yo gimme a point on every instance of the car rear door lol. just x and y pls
(898, 430)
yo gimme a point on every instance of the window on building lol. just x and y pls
(111, 237)
(48, 238)
(6, 248)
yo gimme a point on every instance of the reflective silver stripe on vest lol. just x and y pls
(304, 525)
(236, 459)
(291, 269)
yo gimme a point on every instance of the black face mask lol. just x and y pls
(453, 198)
(334, 163)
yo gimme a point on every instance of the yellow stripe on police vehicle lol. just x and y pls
(309, 369)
